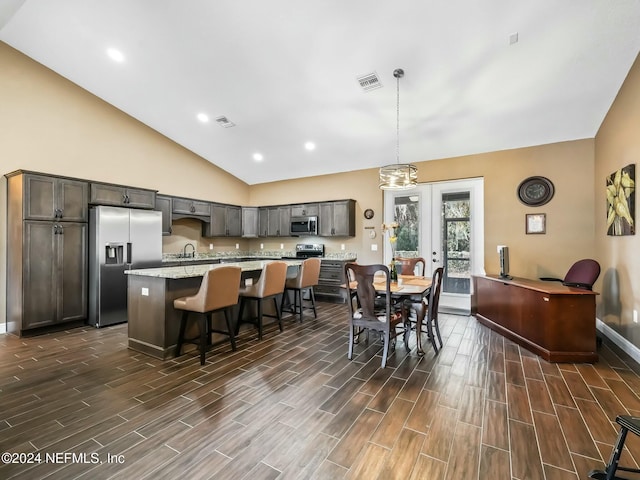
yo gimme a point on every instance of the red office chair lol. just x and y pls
(582, 274)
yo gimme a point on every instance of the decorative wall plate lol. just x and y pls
(535, 191)
(368, 214)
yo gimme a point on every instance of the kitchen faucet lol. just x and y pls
(193, 250)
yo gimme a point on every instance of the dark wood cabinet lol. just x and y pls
(250, 222)
(186, 207)
(553, 321)
(226, 221)
(305, 210)
(122, 196)
(54, 273)
(263, 222)
(164, 205)
(47, 255)
(337, 219)
(52, 198)
(279, 221)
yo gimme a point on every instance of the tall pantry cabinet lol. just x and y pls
(47, 250)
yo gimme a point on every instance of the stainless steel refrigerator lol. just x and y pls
(119, 239)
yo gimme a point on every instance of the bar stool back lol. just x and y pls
(307, 278)
(219, 290)
(269, 285)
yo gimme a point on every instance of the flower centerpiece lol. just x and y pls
(393, 238)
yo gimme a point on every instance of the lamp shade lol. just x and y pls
(398, 176)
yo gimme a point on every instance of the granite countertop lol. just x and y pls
(188, 271)
(258, 255)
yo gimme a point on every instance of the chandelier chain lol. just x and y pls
(398, 119)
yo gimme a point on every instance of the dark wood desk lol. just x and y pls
(555, 322)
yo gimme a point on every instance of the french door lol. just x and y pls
(443, 222)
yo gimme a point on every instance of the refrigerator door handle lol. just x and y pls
(129, 259)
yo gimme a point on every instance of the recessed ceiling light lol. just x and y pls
(258, 157)
(310, 146)
(115, 55)
(203, 117)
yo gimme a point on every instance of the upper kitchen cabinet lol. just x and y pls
(279, 221)
(305, 210)
(188, 208)
(337, 219)
(164, 205)
(250, 222)
(226, 221)
(263, 221)
(52, 198)
(121, 196)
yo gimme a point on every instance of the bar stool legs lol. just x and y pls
(627, 424)
(205, 331)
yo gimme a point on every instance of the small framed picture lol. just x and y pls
(536, 222)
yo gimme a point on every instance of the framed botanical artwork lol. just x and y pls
(536, 223)
(621, 201)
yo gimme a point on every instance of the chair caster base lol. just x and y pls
(602, 475)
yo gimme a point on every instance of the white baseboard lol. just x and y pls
(3, 328)
(624, 344)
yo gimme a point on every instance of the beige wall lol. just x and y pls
(617, 144)
(570, 226)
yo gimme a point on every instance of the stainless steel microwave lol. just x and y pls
(304, 226)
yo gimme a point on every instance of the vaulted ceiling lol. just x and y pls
(479, 75)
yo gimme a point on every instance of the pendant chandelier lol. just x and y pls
(398, 176)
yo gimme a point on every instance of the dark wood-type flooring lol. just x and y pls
(293, 406)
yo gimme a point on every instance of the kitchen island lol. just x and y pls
(153, 322)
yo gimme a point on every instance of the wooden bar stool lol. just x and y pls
(627, 424)
(219, 290)
(307, 278)
(269, 285)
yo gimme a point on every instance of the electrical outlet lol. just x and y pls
(635, 316)
(374, 247)
(261, 246)
(281, 246)
(211, 246)
(237, 246)
(342, 246)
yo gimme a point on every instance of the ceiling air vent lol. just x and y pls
(225, 122)
(369, 81)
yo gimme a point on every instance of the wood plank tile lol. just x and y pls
(427, 467)
(402, 458)
(495, 431)
(471, 405)
(539, 396)
(576, 385)
(576, 432)
(525, 458)
(558, 391)
(494, 463)
(393, 423)
(423, 412)
(553, 473)
(355, 440)
(600, 427)
(518, 404)
(465, 452)
(513, 373)
(553, 448)
(439, 437)
(369, 463)
(497, 387)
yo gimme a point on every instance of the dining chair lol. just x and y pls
(269, 286)
(432, 302)
(307, 278)
(411, 266)
(218, 290)
(369, 313)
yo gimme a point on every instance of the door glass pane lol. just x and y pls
(407, 215)
(456, 240)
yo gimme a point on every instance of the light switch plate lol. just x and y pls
(145, 292)
(374, 247)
